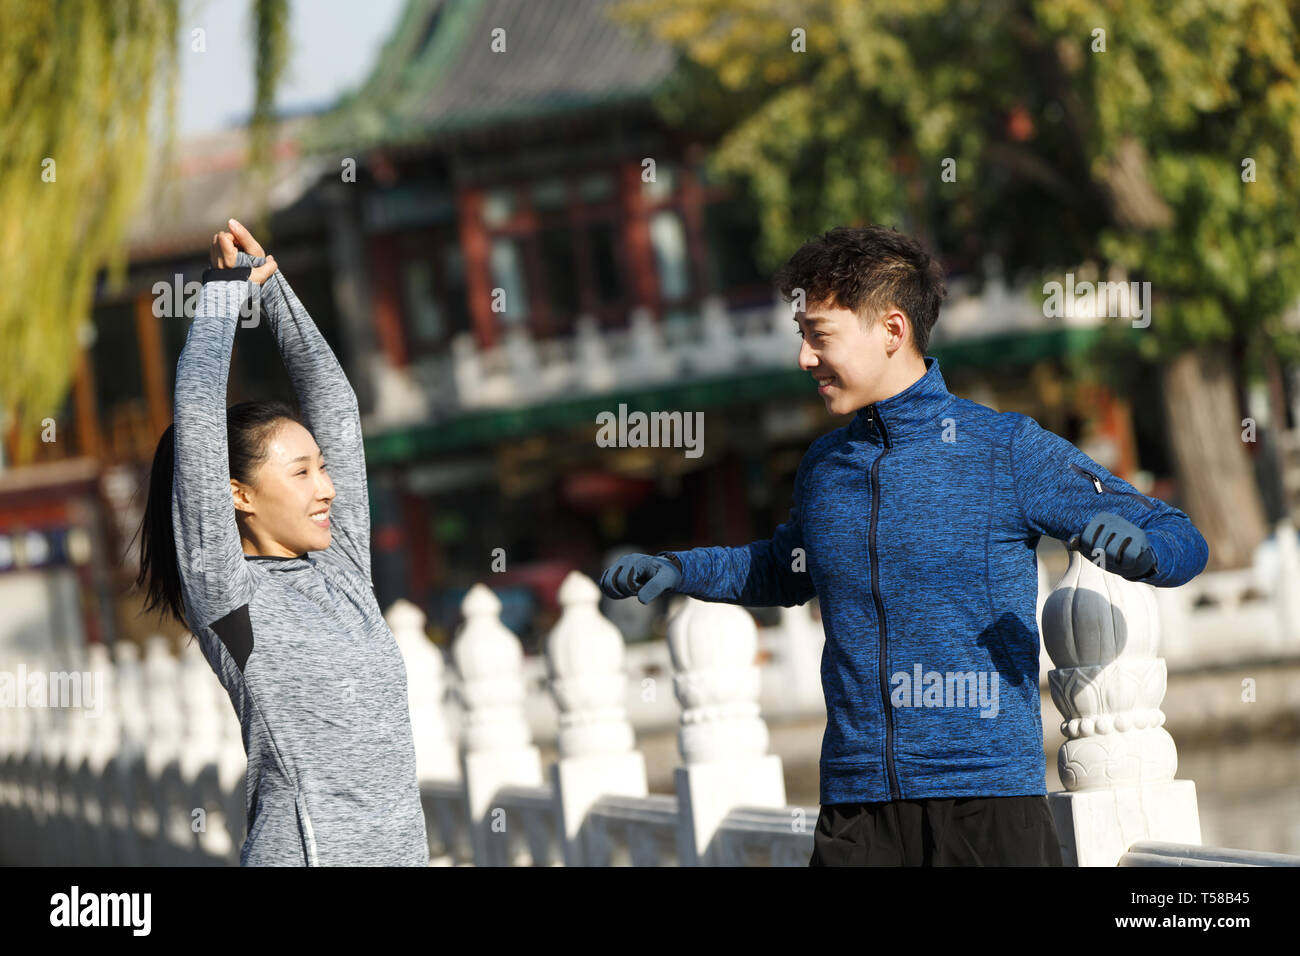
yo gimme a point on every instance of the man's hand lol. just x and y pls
(1124, 545)
(640, 574)
(224, 253)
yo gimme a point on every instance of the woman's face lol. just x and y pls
(285, 511)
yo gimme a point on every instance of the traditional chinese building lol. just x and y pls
(542, 249)
(502, 241)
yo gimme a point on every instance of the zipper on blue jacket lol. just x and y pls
(1102, 489)
(895, 792)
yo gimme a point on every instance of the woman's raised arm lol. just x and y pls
(328, 404)
(214, 577)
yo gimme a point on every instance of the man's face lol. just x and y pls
(848, 358)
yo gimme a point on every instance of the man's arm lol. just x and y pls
(1060, 490)
(761, 574)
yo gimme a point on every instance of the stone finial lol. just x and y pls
(162, 703)
(105, 727)
(717, 682)
(425, 687)
(584, 660)
(591, 354)
(131, 695)
(200, 710)
(489, 659)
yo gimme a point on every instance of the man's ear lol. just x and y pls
(896, 323)
(242, 495)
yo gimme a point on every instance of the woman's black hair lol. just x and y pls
(248, 426)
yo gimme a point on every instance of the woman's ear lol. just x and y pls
(242, 495)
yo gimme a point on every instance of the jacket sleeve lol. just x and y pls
(1060, 489)
(761, 574)
(214, 577)
(329, 407)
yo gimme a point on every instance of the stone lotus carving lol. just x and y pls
(1102, 633)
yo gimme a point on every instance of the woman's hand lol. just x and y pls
(224, 253)
(244, 239)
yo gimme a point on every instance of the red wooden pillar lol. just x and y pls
(149, 336)
(88, 437)
(693, 214)
(636, 237)
(387, 305)
(475, 244)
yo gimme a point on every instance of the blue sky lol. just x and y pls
(332, 48)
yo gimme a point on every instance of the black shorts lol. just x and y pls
(939, 831)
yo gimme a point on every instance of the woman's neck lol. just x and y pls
(265, 549)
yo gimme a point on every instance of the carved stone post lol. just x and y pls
(435, 754)
(584, 661)
(1118, 762)
(498, 748)
(722, 739)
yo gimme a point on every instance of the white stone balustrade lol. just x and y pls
(1259, 606)
(156, 775)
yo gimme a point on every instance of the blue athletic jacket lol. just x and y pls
(915, 525)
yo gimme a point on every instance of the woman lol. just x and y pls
(269, 517)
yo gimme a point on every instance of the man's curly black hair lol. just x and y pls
(868, 269)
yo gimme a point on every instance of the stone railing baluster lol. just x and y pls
(722, 738)
(497, 743)
(1118, 762)
(584, 661)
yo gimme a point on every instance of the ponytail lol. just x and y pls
(159, 576)
(248, 426)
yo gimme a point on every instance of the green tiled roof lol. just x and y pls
(439, 76)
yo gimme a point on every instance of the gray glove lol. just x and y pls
(1127, 552)
(644, 575)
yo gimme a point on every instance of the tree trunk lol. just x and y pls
(1275, 474)
(1216, 477)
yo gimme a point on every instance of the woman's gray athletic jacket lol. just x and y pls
(299, 643)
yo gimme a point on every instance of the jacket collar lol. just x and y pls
(911, 414)
(276, 563)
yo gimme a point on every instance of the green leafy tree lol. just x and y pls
(1153, 141)
(79, 81)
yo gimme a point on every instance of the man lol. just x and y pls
(916, 525)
